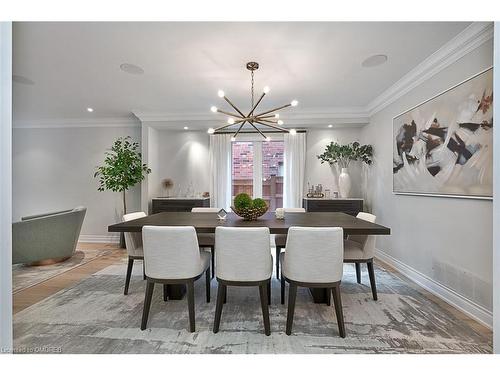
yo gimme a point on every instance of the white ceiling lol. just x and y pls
(76, 65)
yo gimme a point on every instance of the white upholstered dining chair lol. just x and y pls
(172, 256)
(280, 239)
(133, 243)
(361, 249)
(243, 258)
(313, 259)
(207, 240)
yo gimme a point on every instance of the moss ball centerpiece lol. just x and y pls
(247, 208)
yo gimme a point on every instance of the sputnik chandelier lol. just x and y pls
(268, 118)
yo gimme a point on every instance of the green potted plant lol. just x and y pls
(248, 208)
(122, 168)
(342, 155)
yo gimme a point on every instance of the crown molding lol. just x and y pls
(110, 122)
(469, 39)
(338, 115)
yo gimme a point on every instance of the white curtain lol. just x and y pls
(295, 162)
(220, 171)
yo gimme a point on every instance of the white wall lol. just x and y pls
(53, 169)
(447, 241)
(183, 157)
(317, 173)
(496, 203)
(5, 187)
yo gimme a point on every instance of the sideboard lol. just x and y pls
(178, 204)
(351, 206)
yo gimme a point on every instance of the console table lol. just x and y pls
(351, 206)
(178, 204)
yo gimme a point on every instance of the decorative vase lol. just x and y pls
(344, 183)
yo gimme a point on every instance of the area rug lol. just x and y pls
(27, 276)
(95, 317)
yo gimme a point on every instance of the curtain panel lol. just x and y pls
(295, 162)
(220, 171)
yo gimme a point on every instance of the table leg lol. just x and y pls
(319, 295)
(176, 292)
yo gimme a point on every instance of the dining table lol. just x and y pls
(207, 223)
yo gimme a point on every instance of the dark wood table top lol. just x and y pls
(207, 222)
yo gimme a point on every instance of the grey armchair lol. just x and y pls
(47, 236)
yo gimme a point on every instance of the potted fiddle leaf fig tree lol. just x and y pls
(342, 155)
(122, 168)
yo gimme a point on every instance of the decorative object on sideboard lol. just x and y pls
(168, 184)
(444, 146)
(280, 213)
(205, 194)
(342, 155)
(222, 214)
(269, 118)
(315, 191)
(249, 209)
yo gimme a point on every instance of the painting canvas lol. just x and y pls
(444, 146)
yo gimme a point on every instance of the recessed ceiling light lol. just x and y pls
(131, 69)
(186, 128)
(22, 79)
(374, 60)
(90, 109)
(330, 126)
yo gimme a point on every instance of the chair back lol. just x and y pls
(295, 210)
(366, 242)
(243, 254)
(133, 240)
(171, 252)
(205, 209)
(314, 255)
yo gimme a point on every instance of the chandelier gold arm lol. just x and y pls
(256, 128)
(230, 114)
(228, 125)
(256, 104)
(274, 127)
(232, 105)
(273, 110)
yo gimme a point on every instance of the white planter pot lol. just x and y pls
(344, 183)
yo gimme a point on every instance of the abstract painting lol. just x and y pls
(444, 146)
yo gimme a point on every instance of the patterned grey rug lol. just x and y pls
(95, 317)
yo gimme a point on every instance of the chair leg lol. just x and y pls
(338, 310)
(147, 304)
(277, 260)
(207, 284)
(143, 269)
(329, 296)
(292, 295)
(282, 289)
(165, 292)
(225, 294)
(269, 292)
(129, 274)
(212, 251)
(218, 307)
(265, 307)
(371, 273)
(358, 272)
(190, 298)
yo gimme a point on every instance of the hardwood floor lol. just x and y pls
(36, 293)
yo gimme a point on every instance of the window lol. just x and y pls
(257, 169)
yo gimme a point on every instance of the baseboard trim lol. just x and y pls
(93, 238)
(468, 307)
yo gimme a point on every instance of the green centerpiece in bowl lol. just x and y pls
(248, 208)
